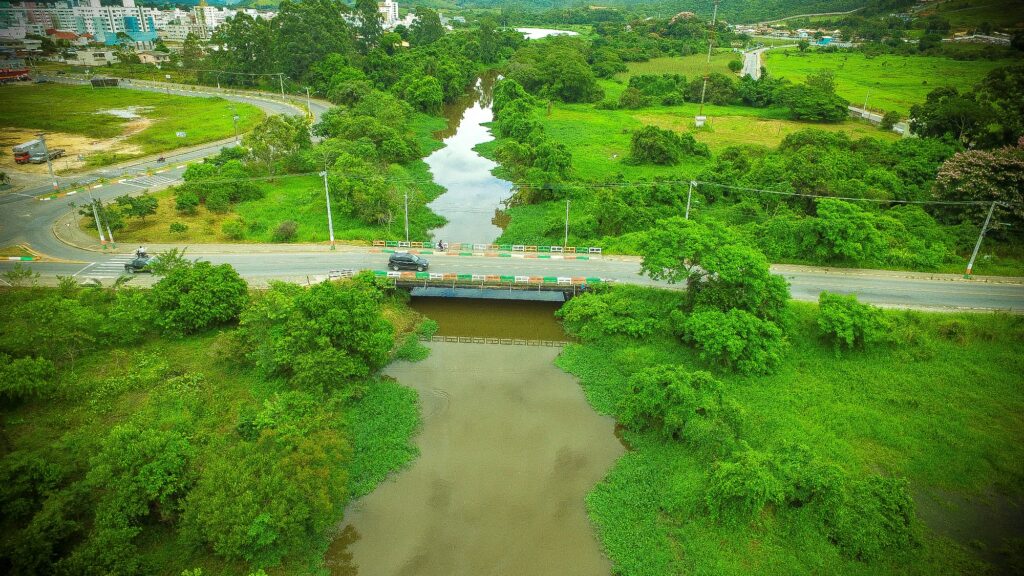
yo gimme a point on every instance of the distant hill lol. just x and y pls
(731, 10)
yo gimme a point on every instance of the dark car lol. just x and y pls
(139, 264)
(406, 261)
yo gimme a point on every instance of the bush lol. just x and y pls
(876, 515)
(412, 350)
(735, 66)
(218, 200)
(233, 229)
(24, 378)
(653, 145)
(890, 119)
(850, 323)
(625, 310)
(196, 295)
(178, 228)
(632, 99)
(186, 201)
(286, 231)
(665, 398)
(739, 489)
(736, 339)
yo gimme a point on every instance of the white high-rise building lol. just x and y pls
(389, 13)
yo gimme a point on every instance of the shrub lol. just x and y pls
(665, 398)
(625, 310)
(427, 328)
(412, 350)
(632, 99)
(736, 339)
(196, 295)
(890, 119)
(23, 378)
(735, 66)
(850, 323)
(178, 228)
(739, 489)
(218, 200)
(876, 515)
(233, 229)
(186, 201)
(653, 145)
(286, 231)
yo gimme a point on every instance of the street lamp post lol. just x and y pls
(327, 193)
(234, 119)
(49, 165)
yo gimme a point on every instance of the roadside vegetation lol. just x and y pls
(193, 425)
(768, 436)
(82, 110)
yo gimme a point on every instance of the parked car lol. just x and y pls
(407, 261)
(139, 264)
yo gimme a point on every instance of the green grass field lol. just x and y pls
(78, 110)
(963, 14)
(690, 66)
(889, 82)
(941, 407)
(599, 139)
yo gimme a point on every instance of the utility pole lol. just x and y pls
(689, 194)
(96, 215)
(984, 228)
(566, 243)
(406, 215)
(711, 45)
(308, 110)
(234, 118)
(327, 193)
(280, 79)
(49, 165)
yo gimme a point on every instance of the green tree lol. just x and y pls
(667, 398)
(946, 113)
(803, 45)
(735, 66)
(196, 295)
(426, 28)
(740, 488)
(275, 138)
(308, 31)
(137, 206)
(322, 338)
(653, 145)
(735, 339)
(191, 52)
(369, 28)
(487, 38)
(845, 232)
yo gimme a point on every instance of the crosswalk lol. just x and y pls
(111, 268)
(154, 181)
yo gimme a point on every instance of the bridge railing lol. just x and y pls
(450, 280)
(473, 249)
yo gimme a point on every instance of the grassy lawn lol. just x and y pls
(895, 82)
(901, 410)
(79, 110)
(599, 139)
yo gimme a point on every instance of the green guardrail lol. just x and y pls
(380, 273)
(543, 248)
(423, 275)
(507, 278)
(391, 243)
(504, 255)
(465, 276)
(593, 280)
(550, 280)
(505, 247)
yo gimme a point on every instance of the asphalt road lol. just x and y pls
(26, 219)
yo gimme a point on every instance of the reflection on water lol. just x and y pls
(473, 194)
(508, 449)
(538, 33)
(492, 318)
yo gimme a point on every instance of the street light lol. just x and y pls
(327, 193)
(49, 165)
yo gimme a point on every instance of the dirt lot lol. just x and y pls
(76, 147)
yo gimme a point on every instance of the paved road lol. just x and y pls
(892, 289)
(24, 219)
(752, 63)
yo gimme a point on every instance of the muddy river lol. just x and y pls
(508, 450)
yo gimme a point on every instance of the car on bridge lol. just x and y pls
(407, 261)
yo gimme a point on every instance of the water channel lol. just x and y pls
(474, 196)
(509, 445)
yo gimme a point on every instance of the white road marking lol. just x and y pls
(87, 266)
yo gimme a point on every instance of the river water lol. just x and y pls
(472, 203)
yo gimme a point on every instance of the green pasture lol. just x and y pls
(971, 13)
(889, 82)
(79, 110)
(939, 406)
(690, 66)
(600, 139)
